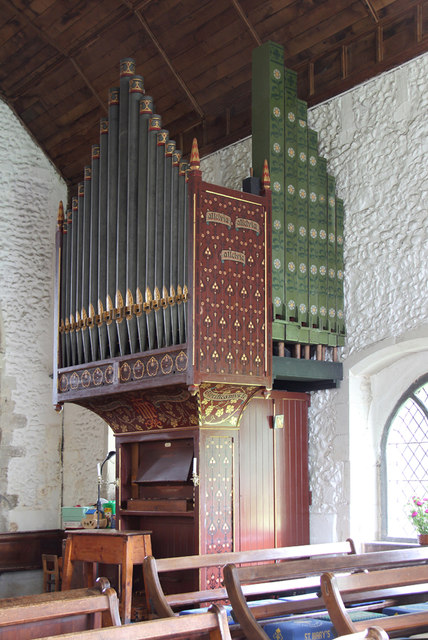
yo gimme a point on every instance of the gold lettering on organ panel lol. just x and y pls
(221, 218)
(244, 223)
(235, 256)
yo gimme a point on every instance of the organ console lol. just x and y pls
(170, 312)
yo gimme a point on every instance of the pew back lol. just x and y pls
(409, 582)
(297, 575)
(57, 612)
(163, 605)
(211, 624)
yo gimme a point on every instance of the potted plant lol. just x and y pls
(419, 517)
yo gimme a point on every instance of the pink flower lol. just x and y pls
(414, 514)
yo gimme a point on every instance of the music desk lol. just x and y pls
(106, 546)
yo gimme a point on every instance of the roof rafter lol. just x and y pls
(247, 23)
(165, 57)
(372, 10)
(21, 16)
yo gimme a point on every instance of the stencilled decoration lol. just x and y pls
(218, 520)
(166, 408)
(129, 370)
(223, 405)
(269, 70)
(230, 260)
(306, 200)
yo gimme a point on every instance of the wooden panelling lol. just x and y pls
(399, 35)
(22, 551)
(361, 53)
(327, 69)
(274, 485)
(292, 449)
(256, 477)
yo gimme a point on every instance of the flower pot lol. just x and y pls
(423, 538)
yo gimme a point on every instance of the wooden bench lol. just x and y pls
(212, 624)
(163, 605)
(57, 612)
(411, 582)
(296, 577)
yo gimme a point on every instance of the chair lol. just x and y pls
(51, 572)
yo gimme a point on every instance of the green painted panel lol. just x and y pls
(302, 213)
(307, 220)
(313, 229)
(340, 268)
(323, 240)
(268, 143)
(331, 253)
(291, 217)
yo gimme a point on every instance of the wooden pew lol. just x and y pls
(410, 582)
(212, 624)
(304, 574)
(58, 612)
(163, 605)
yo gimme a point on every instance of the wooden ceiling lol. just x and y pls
(58, 58)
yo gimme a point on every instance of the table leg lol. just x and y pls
(126, 595)
(89, 573)
(67, 566)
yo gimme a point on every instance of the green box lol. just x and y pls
(73, 514)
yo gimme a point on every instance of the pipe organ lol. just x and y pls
(170, 312)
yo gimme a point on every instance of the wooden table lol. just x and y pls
(106, 546)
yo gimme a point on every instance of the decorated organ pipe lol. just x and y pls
(164, 279)
(113, 138)
(307, 217)
(125, 243)
(102, 241)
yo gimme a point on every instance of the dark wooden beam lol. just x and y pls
(247, 23)
(165, 57)
(88, 84)
(372, 10)
(419, 22)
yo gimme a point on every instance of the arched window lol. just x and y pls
(404, 461)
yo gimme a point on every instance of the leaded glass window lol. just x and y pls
(404, 466)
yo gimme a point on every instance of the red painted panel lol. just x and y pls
(292, 456)
(230, 305)
(256, 478)
(274, 485)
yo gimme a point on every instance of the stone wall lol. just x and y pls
(46, 459)
(375, 141)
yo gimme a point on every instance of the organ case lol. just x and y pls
(167, 298)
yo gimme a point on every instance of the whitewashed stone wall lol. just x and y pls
(46, 459)
(375, 140)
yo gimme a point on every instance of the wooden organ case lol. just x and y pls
(164, 329)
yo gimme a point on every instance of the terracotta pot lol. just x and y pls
(423, 538)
